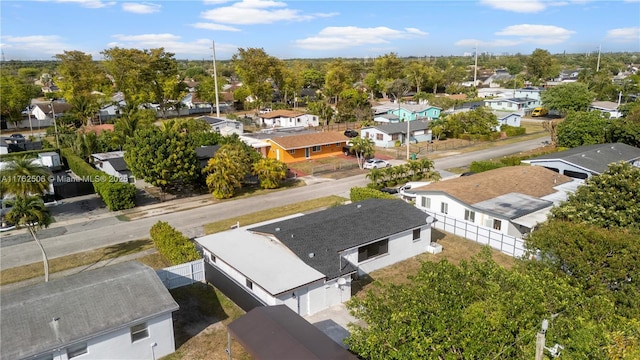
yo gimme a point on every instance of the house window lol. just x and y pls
(372, 250)
(249, 284)
(497, 224)
(298, 119)
(139, 332)
(395, 137)
(338, 144)
(327, 145)
(379, 136)
(76, 350)
(416, 234)
(317, 148)
(469, 215)
(292, 151)
(212, 258)
(426, 202)
(444, 208)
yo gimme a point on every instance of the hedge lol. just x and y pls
(513, 130)
(480, 166)
(115, 194)
(172, 244)
(363, 193)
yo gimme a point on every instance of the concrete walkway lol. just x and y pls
(333, 322)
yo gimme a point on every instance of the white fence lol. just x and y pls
(183, 274)
(508, 244)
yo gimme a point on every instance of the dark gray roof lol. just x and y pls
(118, 164)
(212, 120)
(86, 305)
(595, 158)
(401, 127)
(326, 233)
(276, 332)
(206, 152)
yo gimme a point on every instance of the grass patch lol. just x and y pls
(123, 217)
(454, 249)
(200, 324)
(273, 213)
(62, 263)
(155, 261)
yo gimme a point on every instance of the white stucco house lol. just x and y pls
(386, 135)
(519, 105)
(223, 126)
(113, 164)
(46, 111)
(606, 108)
(583, 162)
(307, 262)
(121, 311)
(288, 118)
(508, 201)
(507, 118)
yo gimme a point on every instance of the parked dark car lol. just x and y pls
(389, 190)
(350, 133)
(17, 137)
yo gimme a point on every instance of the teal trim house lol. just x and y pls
(410, 112)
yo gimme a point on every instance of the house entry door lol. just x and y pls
(307, 152)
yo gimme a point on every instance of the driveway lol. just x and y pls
(333, 322)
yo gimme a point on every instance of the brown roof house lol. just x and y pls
(496, 207)
(305, 146)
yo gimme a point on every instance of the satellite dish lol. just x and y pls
(430, 219)
(342, 281)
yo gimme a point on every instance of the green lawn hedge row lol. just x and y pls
(363, 193)
(172, 244)
(115, 194)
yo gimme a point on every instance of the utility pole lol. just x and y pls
(55, 123)
(598, 66)
(540, 339)
(215, 78)
(475, 67)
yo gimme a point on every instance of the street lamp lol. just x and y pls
(55, 124)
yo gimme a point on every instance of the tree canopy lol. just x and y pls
(582, 128)
(568, 97)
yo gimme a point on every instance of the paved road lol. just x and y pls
(79, 236)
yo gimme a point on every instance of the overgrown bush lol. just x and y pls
(115, 194)
(172, 244)
(363, 193)
(480, 166)
(511, 160)
(512, 130)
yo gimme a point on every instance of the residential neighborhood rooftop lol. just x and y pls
(51, 315)
(594, 157)
(305, 140)
(281, 113)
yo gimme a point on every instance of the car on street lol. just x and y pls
(376, 164)
(350, 133)
(17, 137)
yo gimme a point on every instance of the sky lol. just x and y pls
(40, 29)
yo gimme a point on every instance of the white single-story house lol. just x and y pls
(386, 135)
(607, 108)
(121, 311)
(507, 118)
(520, 105)
(45, 111)
(113, 164)
(306, 262)
(510, 200)
(223, 126)
(288, 118)
(386, 118)
(583, 162)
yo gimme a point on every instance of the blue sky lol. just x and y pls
(318, 29)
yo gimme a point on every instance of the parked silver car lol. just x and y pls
(376, 164)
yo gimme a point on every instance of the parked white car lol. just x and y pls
(376, 164)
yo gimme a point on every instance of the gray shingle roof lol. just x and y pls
(595, 158)
(325, 233)
(86, 305)
(206, 152)
(118, 164)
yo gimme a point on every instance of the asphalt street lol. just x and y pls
(93, 228)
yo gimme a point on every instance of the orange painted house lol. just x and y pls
(300, 147)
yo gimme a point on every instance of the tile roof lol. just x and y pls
(309, 139)
(535, 181)
(85, 305)
(318, 238)
(281, 113)
(595, 158)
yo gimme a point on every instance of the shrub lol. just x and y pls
(511, 161)
(480, 166)
(172, 244)
(363, 193)
(512, 130)
(115, 194)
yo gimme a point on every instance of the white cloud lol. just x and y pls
(521, 6)
(538, 34)
(629, 34)
(94, 4)
(41, 44)
(332, 38)
(249, 12)
(173, 44)
(141, 8)
(215, 27)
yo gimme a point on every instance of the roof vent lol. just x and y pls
(358, 206)
(292, 236)
(277, 229)
(311, 255)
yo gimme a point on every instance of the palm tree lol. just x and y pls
(375, 175)
(271, 172)
(363, 148)
(21, 177)
(30, 211)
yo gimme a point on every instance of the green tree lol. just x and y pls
(312, 78)
(625, 130)
(417, 73)
(362, 148)
(206, 90)
(353, 106)
(606, 200)
(162, 158)
(15, 96)
(582, 128)
(322, 109)
(541, 66)
(336, 80)
(22, 177)
(131, 120)
(30, 212)
(227, 170)
(271, 172)
(567, 97)
(258, 72)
